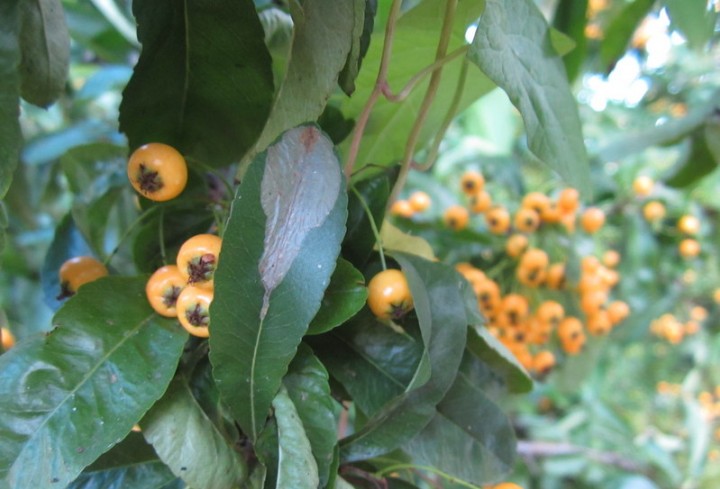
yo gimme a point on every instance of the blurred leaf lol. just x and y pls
(693, 19)
(94, 167)
(702, 160)
(297, 467)
(267, 450)
(373, 362)
(45, 46)
(105, 79)
(571, 18)
(360, 240)
(189, 443)
(67, 243)
(394, 239)
(10, 136)
(73, 394)
(439, 304)
(414, 47)
(468, 426)
(364, 17)
(486, 348)
(323, 31)
(561, 42)
(518, 56)
(203, 83)
(575, 369)
(620, 31)
(92, 217)
(344, 297)
(284, 233)
(51, 146)
(308, 388)
(91, 30)
(131, 464)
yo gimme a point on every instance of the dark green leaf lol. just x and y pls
(468, 426)
(372, 362)
(203, 83)
(486, 348)
(93, 168)
(267, 450)
(702, 160)
(415, 44)
(439, 304)
(131, 464)
(620, 31)
(571, 19)
(67, 243)
(519, 57)
(693, 19)
(308, 388)
(297, 467)
(360, 239)
(10, 136)
(322, 37)
(189, 443)
(362, 28)
(343, 298)
(91, 218)
(70, 396)
(280, 248)
(45, 45)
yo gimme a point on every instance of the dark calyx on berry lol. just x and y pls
(149, 180)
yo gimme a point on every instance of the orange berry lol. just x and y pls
(698, 313)
(515, 308)
(78, 271)
(498, 220)
(480, 202)
(592, 220)
(472, 182)
(691, 328)
(568, 200)
(689, 225)
(157, 171)
(599, 323)
(550, 313)
(574, 347)
(555, 278)
(689, 248)
(488, 293)
(536, 201)
(402, 208)
(456, 217)
(716, 296)
(8, 339)
(516, 244)
(527, 220)
(507, 485)
(570, 328)
(543, 362)
(419, 201)
(551, 215)
(592, 302)
(618, 311)
(611, 258)
(389, 295)
(643, 186)
(653, 211)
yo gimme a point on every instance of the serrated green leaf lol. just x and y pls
(693, 19)
(10, 136)
(131, 464)
(415, 44)
(321, 43)
(297, 467)
(308, 388)
(620, 31)
(518, 56)
(343, 298)
(189, 443)
(45, 45)
(486, 348)
(439, 304)
(468, 426)
(203, 83)
(279, 250)
(373, 362)
(73, 394)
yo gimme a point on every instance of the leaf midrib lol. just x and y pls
(80, 384)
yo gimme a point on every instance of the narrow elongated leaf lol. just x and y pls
(373, 363)
(203, 83)
(308, 388)
(189, 443)
(70, 396)
(280, 248)
(344, 297)
(362, 9)
(45, 44)
(620, 31)
(297, 467)
(10, 137)
(702, 160)
(437, 292)
(571, 18)
(468, 426)
(519, 57)
(414, 48)
(323, 34)
(131, 464)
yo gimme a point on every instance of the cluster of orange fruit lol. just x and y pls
(671, 328)
(710, 402)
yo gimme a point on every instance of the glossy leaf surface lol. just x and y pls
(343, 298)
